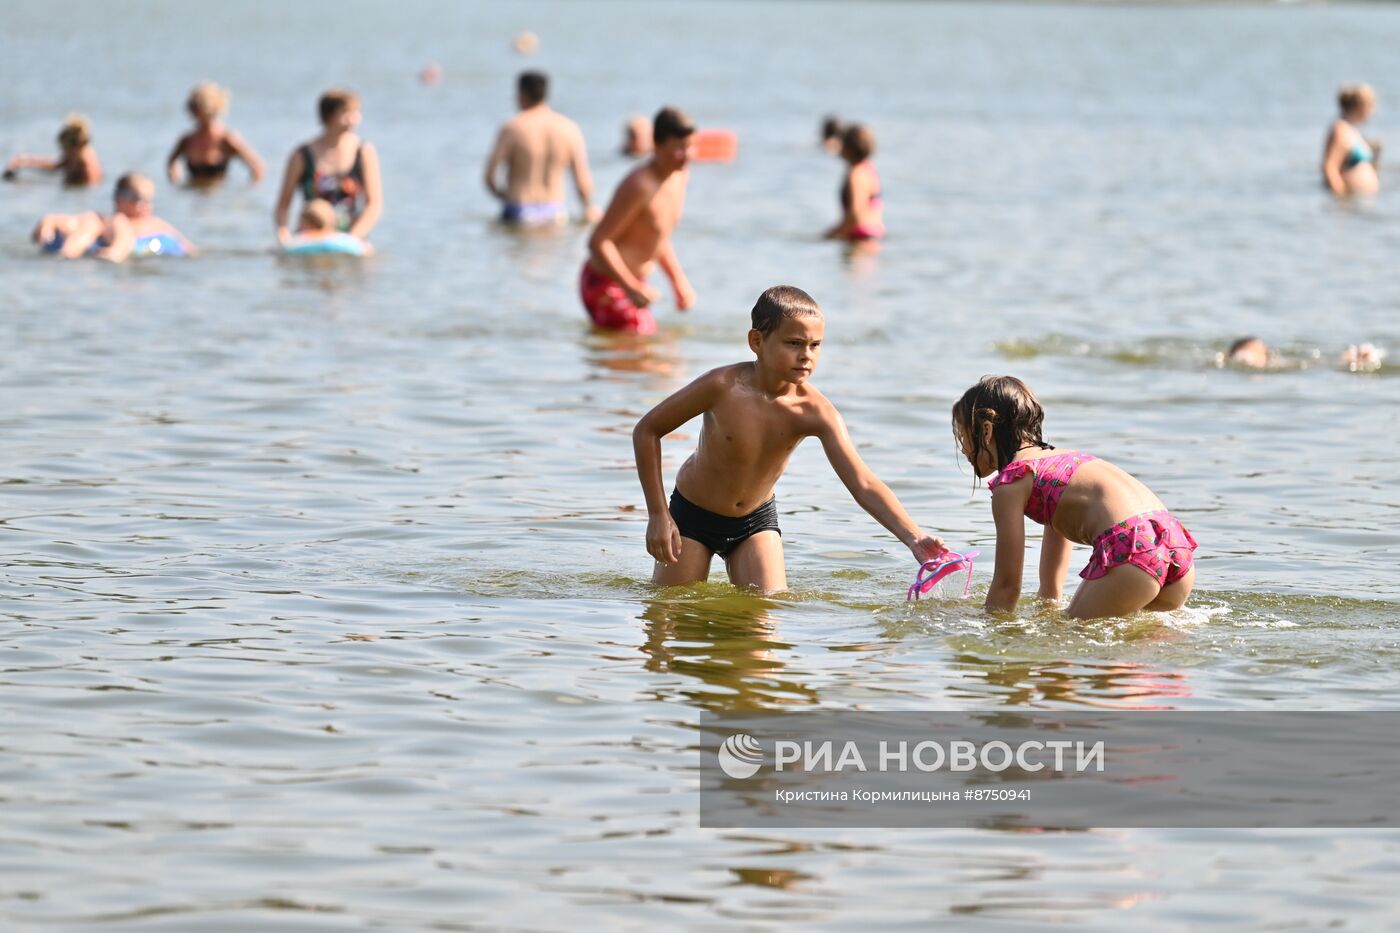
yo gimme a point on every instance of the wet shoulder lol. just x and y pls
(640, 179)
(1013, 472)
(727, 378)
(816, 410)
(562, 124)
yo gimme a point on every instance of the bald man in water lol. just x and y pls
(537, 145)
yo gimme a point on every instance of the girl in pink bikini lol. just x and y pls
(862, 207)
(1142, 558)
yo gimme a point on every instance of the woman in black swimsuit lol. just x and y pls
(208, 150)
(337, 167)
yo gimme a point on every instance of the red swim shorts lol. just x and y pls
(609, 306)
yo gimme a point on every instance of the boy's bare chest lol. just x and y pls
(664, 209)
(750, 433)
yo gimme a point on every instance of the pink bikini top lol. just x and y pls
(1052, 475)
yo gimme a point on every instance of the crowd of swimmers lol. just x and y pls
(335, 172)
(754, 413)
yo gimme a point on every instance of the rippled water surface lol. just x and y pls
(324, 585)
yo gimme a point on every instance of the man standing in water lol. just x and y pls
(536, 146)
(635, 234)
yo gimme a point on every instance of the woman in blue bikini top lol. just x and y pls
(1349, 159)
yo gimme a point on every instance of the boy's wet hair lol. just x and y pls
(858, 142)
(76, 133)
(1351, 97)
(832, 127)
(533, 86)
(670, 123)
(779, 303)
(134, 183)
(207, 97)
(335, 102)
(1013, 411)
(318, 214)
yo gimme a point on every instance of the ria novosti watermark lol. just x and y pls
(741, 756)
(1051, 769)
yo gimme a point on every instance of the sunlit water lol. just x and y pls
(324, 584)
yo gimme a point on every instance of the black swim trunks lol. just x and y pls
(721, 533)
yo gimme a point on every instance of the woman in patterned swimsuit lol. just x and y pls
(1143, 558)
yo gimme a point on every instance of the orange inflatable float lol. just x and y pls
(714, 146)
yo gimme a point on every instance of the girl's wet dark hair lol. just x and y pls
(1010, 407)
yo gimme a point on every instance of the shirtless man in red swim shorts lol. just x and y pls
(635, 235)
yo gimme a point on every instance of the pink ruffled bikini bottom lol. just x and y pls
(1155, 542)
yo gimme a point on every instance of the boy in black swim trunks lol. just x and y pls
(755, 415)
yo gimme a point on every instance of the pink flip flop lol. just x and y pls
(931, 572)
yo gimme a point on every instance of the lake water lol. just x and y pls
(324, 586)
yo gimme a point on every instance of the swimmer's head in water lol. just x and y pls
(779, 303)
(207, 101)
(532, 87)
(318, 215)
(636, 137)
(994, 420)
(75, 134)
(134, 194)
(336, 103)
(1356, 101)
(1248, 351)
(857, 143)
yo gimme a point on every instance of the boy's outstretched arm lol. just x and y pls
(867, 489)
(663, 540)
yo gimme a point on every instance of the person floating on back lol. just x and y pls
(208, 149)
(77, 160)
(635, 234)
(1143, 558)
(337, 167)
(131, 230)
(1349, 160)
(536, 146)
(862, 207)
(755, 415)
